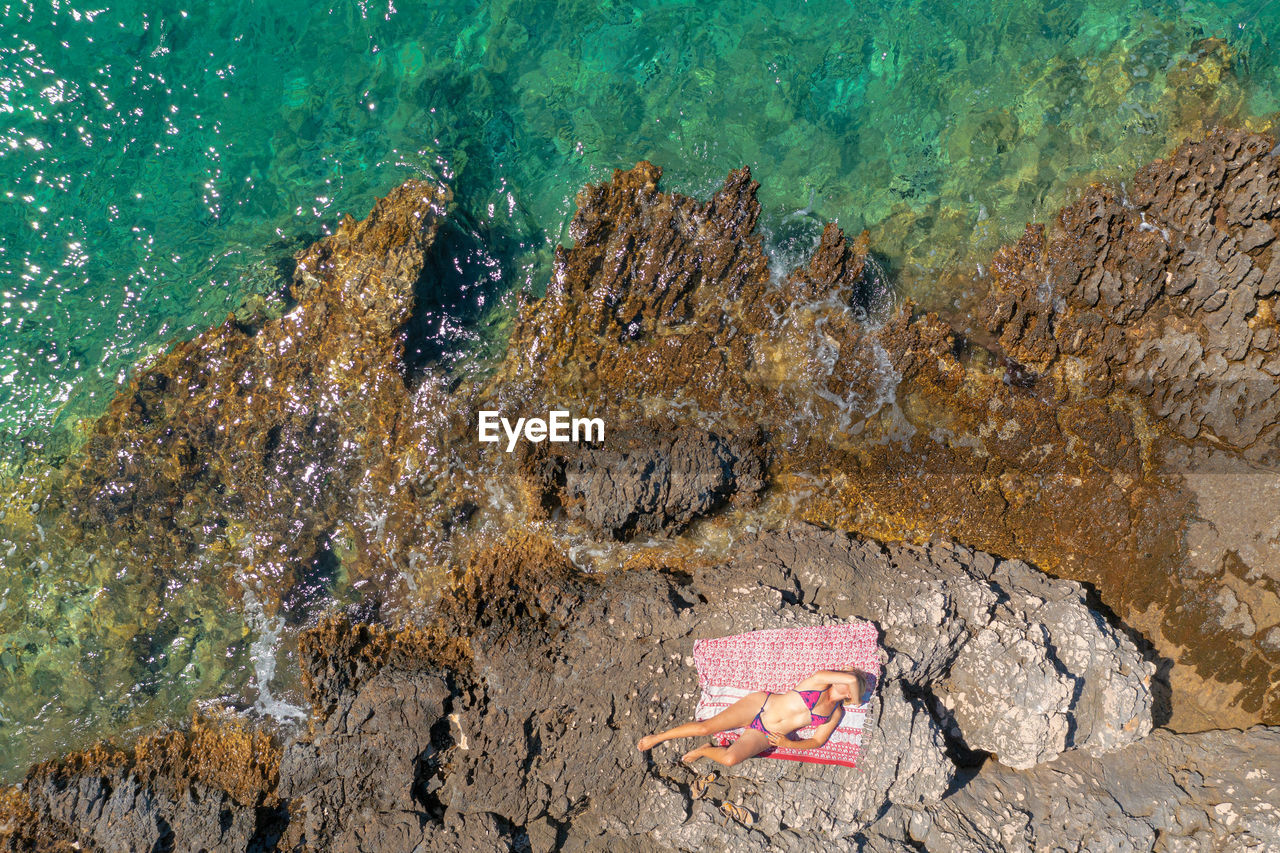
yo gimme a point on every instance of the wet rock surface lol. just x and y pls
(1165, 290)
(510, 721)
(223, 436)
(225, 480)
(209, 787)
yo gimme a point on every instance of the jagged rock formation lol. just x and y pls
(666, 308)
(208, 788)
(1168, 293)
(645, 479)
(1165, 291)
(232, 469)
(1208, 791)
(620, 644)
(388, 724)
(1046, 651)
(228, 433)
(510, 720)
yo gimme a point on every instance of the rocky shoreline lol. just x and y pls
(1051, 535)
(509, 722)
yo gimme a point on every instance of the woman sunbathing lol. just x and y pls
(819, 700)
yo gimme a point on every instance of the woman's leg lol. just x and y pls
(735, 716)
(751, 743)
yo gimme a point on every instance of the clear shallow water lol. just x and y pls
(159, 165)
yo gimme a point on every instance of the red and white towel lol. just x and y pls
(776, 660)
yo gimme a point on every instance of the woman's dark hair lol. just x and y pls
(862, 679)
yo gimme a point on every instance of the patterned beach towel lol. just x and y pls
(731, 667)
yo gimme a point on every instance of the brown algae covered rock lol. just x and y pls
(1166, 290)
(220, 438)
(210, 786)
(1165, 295)
(262, 464)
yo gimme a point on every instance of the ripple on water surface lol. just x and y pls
(162, 164)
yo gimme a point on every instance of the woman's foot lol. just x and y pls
(647, 742)
(693, 755)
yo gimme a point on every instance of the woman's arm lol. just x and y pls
(820, 734)
(824, 678)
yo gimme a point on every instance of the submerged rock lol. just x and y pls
(223, 482)
(228, 435)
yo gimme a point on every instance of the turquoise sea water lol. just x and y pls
(160, 162)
